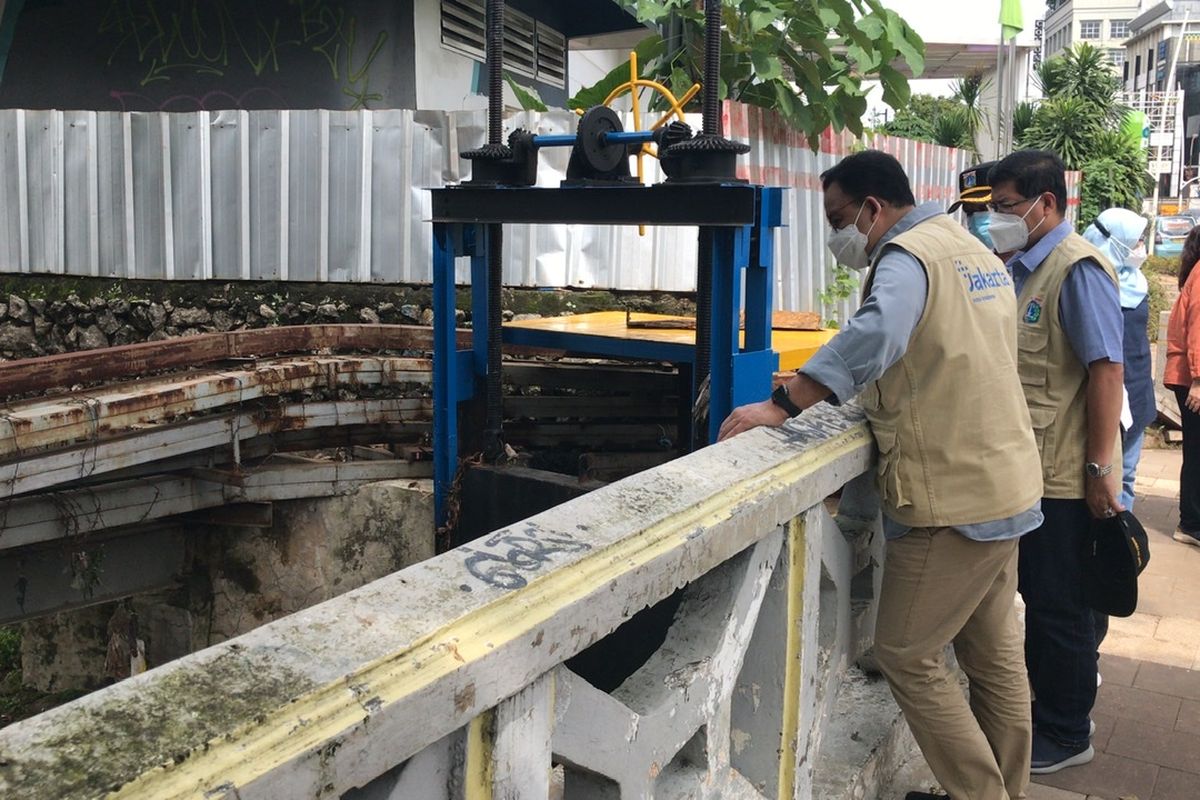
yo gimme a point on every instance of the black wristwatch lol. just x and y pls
(780, 398)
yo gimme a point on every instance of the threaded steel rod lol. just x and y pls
(712, 67)
(495, 66)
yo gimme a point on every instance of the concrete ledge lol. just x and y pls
(865, 744)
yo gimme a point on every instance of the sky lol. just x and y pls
(980, 26)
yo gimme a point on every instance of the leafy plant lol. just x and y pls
(953, 130)
(842, 286)
(1161, 272)
(806, 59)
(969, 91)
(1067, 126)
(1162, 265)
(1023, 116)
(1049, 76)
(917, 119)
(528, 97)
(1084, 72)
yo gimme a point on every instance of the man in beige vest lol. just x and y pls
(932, 351)
(1069, 340)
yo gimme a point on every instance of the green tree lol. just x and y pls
(806, 59)
(1084, 72)
(918, 119)
(1078, 120)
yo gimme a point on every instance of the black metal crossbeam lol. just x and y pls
(661, 204)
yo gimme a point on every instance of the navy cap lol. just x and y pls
(974, 186)
(1115, 553)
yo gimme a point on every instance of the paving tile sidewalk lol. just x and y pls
(1147, 711)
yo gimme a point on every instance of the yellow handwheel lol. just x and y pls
(634, 86)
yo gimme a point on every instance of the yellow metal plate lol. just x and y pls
(795, 348)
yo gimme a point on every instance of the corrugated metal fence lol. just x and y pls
(340, 196)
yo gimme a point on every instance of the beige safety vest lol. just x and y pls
(1054, 379)
(955, 442)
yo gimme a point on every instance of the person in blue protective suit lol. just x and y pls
(974, 193)
(1118, 234)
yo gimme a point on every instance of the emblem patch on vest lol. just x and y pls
(1033, 311)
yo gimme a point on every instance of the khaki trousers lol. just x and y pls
(940, 587)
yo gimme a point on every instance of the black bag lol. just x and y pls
(1116, 551)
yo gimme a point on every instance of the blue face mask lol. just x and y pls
(978, 225)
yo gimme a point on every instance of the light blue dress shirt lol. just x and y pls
(878, 335)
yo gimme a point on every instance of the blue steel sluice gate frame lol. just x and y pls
(736, 221)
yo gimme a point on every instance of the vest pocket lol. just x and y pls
(1042, 418)
(1032, 355)
(891, 487)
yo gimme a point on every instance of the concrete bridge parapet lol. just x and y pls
(462, 676)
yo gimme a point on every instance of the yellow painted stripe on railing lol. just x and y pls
(791, 671)
(258, 749)
(478, 770)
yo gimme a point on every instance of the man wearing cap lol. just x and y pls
(931, 354)
(1069, 341)
(974, 193)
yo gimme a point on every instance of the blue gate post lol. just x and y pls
(449, 364)
(745, 370)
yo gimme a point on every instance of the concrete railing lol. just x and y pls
(493, 670)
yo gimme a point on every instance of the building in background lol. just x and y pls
(1100, 23)
(1162, 78)
(958, 46)
(162, 55)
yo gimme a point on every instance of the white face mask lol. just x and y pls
(849, 244)
(1009, 232)
(1136, 257)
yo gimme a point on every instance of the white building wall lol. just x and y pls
(1090, 21)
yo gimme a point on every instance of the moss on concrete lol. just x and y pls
(87, 750)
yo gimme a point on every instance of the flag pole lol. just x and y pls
(1000, 97)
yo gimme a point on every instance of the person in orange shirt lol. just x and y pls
(1182, 375)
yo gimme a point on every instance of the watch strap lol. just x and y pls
(780, 398)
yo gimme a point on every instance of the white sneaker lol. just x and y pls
(1099, 680)
(1186, 538)
(1091, 728)
(1061, 760)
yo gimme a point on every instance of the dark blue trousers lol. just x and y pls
(1060, 633)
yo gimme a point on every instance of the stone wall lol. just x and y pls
(41, 314)
(240, 578)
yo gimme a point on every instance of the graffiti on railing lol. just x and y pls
(511, 554)
(210, 38)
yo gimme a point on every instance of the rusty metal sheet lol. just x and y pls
(106, 411)
(161, 442)
(28, 375)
